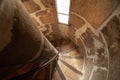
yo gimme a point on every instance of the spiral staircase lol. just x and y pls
(70, 63)
(82, 56)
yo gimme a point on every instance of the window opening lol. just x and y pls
(63, 9)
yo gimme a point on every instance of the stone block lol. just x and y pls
(31, 6)
(48, 3)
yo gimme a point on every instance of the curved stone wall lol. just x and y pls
(23, 48)
(45, 17)
(98, 45)
(94, 48)
(94, 27)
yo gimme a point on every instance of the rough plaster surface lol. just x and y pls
(94, 11)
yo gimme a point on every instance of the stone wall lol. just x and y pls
(23, 48)
(97, 35)
(94, 11)
(94, 27)
(43, 13)
(111, 32)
